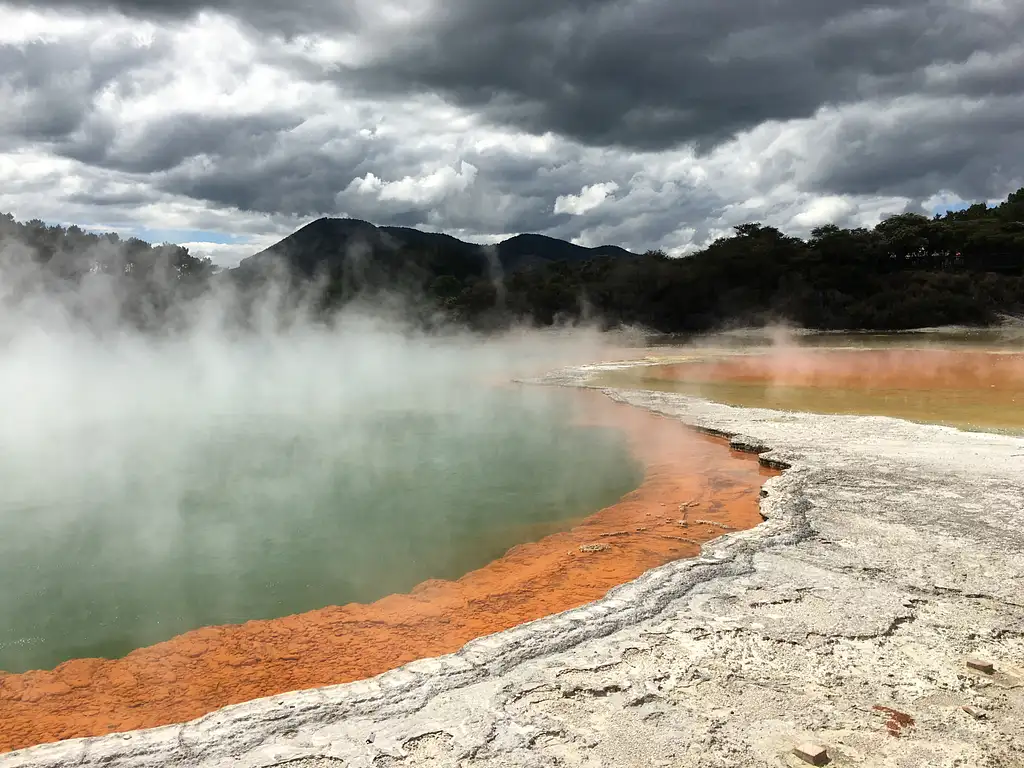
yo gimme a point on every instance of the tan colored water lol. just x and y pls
(965, 388)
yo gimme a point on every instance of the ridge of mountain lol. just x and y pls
(326, 242)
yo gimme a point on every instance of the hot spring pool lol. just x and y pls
(120, 533)
(974, 389)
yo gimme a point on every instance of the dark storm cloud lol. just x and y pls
(510, 192)
(303, 180)
(167, 143)
(972, 149)
(138, 7)
(300, 186)
(272, 174)
(645, 73)
(283, 18)
(658, 73)
(51, 85)
(134, 198)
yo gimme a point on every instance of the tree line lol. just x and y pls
(910, 271)
(962, 267)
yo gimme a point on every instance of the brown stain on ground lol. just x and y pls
(694, 489)
(896, 721)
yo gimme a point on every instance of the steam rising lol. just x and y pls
(220, 443)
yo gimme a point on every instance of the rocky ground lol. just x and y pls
(891, 554)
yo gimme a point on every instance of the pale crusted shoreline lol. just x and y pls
(891, 551)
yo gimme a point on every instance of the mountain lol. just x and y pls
(324, 245)
(524, 250)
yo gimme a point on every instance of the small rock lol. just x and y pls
(977, 714)
(980, 665)
(715, 524)
(812, 753)
(594, 547)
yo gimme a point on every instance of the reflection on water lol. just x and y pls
(974, 383)
(260, 517)
(1010, 338)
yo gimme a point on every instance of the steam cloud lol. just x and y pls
(103, 419)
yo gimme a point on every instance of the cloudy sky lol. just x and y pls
(226, 124)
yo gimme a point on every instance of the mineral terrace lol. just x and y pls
(891, 555)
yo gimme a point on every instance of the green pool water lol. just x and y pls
(111, 539)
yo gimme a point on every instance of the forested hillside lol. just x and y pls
(964, 267)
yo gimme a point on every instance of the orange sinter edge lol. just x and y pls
(688, 477)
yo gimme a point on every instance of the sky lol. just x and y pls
(225, 125)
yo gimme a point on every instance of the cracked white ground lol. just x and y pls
(891, 553)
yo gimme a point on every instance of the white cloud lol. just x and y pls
(420, 190)
(588, 199)
(229, 254)
(823, 210)
(23, 26)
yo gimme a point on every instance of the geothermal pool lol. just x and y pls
(693, 489)
(975, 389)
(299, 544)
(123, 541)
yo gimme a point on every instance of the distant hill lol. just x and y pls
(324, 244)
(524, 250)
